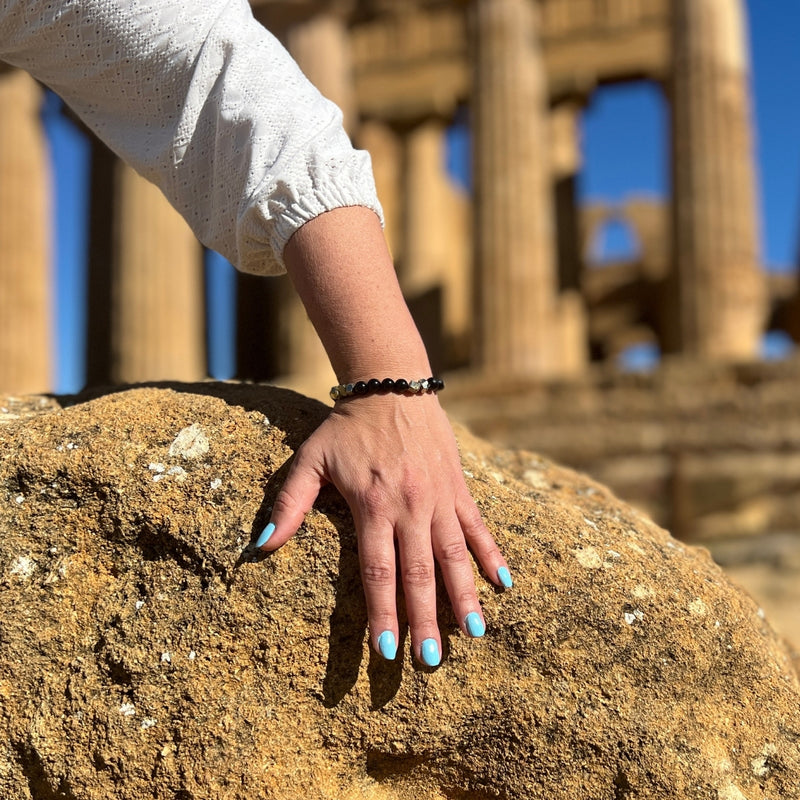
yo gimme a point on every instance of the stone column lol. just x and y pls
(386, 151)
(516, 278)
(435, 263)
(321, 47)
(718, 298)
(24, 238)
(157, 324)
(571, 316)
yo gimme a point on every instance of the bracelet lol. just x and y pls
(373, 385)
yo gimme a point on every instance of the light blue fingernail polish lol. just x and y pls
(387, 645)
(265, 534)
(504, 576)
(430, 653)
(474, 625)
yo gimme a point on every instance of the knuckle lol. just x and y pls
(418, 573)
(374, 501)
(487, 550)
(472, 521)
(381, 621)
(413, 487)
(377, 573)
(286, 503)
(453, 554)
(466, 599)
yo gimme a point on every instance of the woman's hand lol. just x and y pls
(393, 457)
(395, 461)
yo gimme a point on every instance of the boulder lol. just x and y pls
(146, 651)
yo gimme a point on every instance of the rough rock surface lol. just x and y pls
(146, 652)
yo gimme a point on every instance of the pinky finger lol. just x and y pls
(482, 543)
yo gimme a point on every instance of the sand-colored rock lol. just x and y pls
(146, 652)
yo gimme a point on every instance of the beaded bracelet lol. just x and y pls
(373, 385)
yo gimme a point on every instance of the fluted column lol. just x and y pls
(320, 45)
(516, 273)
(24, 238)
(435, 259)
(718, 290)
(571, 322)
(157, 327)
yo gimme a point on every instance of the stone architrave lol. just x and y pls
(25, 308)
(516, 280)
(718, 293)
(157, 323)
(321, 47)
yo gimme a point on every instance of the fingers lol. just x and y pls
(294, 501)
(451, 553)
(419, 587)
(421, 544)
(378, 570)
(482, 542)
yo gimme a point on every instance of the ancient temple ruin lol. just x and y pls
(498, 278)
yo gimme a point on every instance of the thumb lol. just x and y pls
(294, 501)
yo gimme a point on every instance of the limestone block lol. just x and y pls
(148, 653)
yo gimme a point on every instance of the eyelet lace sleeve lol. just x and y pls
(200, 99)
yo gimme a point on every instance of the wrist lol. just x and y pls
(399, 386)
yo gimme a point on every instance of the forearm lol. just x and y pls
(342, 269)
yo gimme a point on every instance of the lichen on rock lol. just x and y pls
(147, 652)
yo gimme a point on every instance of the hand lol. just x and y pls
(395, 461)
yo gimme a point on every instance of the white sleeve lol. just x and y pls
(200, 99)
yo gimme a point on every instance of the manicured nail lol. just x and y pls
(387, 645)
(265, 534)
(430, 652)
(504, 576)
(474, 625)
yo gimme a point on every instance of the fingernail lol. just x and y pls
(387, 645)
(265, 534)
(430, 652)
(474, 625)
(504, 576)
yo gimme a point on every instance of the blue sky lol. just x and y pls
(626, 146)
(625, 149)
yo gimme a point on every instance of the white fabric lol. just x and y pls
(200, 99)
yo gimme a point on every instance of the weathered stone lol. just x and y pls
(147, 652)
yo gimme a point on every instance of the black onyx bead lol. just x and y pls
(360, 388)
(373, 384)
(401, 385)
(387, 384)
